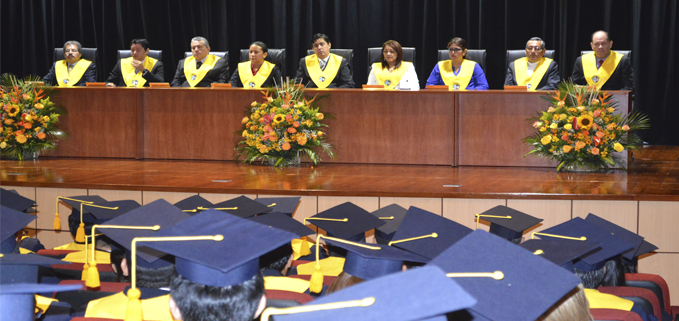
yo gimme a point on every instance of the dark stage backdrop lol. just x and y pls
(30, 29)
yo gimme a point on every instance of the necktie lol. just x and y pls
(70, 67)
(323, 63)
(601, 62)
(198, 64)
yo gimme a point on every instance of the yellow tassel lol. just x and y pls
(134, 312)
(92, 276)
(316, 281)
(304, 248)
(84, 275)
(57, 222)
(80, 233)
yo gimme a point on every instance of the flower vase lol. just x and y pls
(289, 162)
(575, 168)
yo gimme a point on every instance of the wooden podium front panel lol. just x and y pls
(198, 123)
(391, 127)
(100, 122)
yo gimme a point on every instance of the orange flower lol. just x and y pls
(579, 145)
(28, 125)
(320, 134)
(25, 96)
(8, 121)
(301, 140)
(41, 135)
(567, 148)
(292, 130)
(320, 116)
(286, 146)
(594, 151)
(39, 106)
(600, 134)
(295, 124)
(21, 139)
(244, 121)
(625, 128)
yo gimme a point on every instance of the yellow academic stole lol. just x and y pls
(323, 78)
(66, 79)
(521, 72)
(461, 81)
(193, 76)
(130, 76)
(598, 77)
(114, 307)
(390, 79)
(256, 81)
(598, 300)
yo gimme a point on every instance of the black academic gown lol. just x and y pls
(549, 81)
(269, 82)
(343, 79)
(90, 75)
(218, 74)
(621, 79)
(156, 74)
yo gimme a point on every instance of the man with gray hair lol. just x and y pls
(533, 71)
(202, 69)
(71, 71)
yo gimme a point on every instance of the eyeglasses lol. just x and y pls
(455, 49)
(529, 48)
(71, 50)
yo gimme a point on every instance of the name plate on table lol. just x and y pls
(95, 84)
(373, 87)
(438, 87)
(219, 85)
(516, 88)
(159, 85)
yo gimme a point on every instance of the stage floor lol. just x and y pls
(652, 176)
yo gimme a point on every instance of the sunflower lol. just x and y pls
(278, 119)
(585, 122)
(13, 110)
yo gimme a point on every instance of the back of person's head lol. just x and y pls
(154, 278)
(610, 275)
(277, 259)
(117, 256)
(344, 280)
(204, 302)
(572, 307)
(143, 42)
(319, 36)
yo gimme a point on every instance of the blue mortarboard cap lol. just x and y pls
(18, 300)
(645, 247)
(23, 268)
(12, 199)
(419, 222)
(283, 222)
(233, 260)
(95, 199)
(358, 221)
(509, 228)
(102, 215)
(368, 264)
(417, 294)
(385, 233)
(245, 207)
(531, 284)
(159, 212)
(610, 245)
(619, 232)
(559, 251)
(193, 202)
(11, 221)
(285, 205)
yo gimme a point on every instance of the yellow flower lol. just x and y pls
(13, 110)
(567, 148)
(585, 122)
(270, 99)
(245, 120)
(561, 104)
(610, 109)
(553, 126)
(21, 139)
(542, 129)
(278, 119)
(581, 108)
(579, 145)
(546, 140)
(3, 145)
(570, 119)
(618, 147)
(563, 116)
(254, 103)
(37, 129)
(568, 127)
(39, 106)
(320, 116)
(245, 133)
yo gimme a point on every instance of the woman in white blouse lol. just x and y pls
(392, 71)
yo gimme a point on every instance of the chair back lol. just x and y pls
(638, 280)
(375, 55)
(614, 314)
(516, 54)
(477, 55)
(157, 54)
(641, 297)
(347, 54)
(627, 53)
(276, 56)
(88, 53)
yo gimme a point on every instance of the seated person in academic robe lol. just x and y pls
(534, 71)
(72, 71)
(202, 69)
(138, 70)
(392, 71)
(323, 69)
(458, 73)
(604, 68)
(257, 72)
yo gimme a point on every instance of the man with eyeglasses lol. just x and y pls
(604, 68)
(201, 69)
(533, 71)
(71, 71)
(324, 69)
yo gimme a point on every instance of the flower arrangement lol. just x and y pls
(581, 129)
(28, 118)
(286, 124)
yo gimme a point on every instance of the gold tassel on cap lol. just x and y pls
(316, 281)
(318, 307)
(432, 235)
(86, 266)
(57, 220)
(582, 238)
(92, 272)
(80, 233)
(300, 247)
(479, 216)
(497, 275)
(134, 311)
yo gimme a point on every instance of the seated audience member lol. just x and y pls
(604, 68)
(138, 70)
(202, 69)
(392, 71)
(324, 69)
(257, 72)
(458, 73)
(72, 71)
(534, 71)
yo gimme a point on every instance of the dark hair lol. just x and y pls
(342, 281)
(261, 45)
(399, 53)
(319, 36)
(606, 32)
(73, 42)
(460, 42)
(117, 256)
(154, 278)
(609, 275)
(206, 302)
(276, 259)
(543, 45)
(143, 42)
